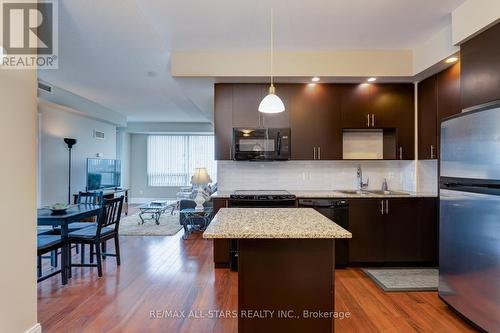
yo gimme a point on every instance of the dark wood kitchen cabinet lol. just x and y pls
(355, 105)
(315, 121)
(223, 121)
(381, 106)
(429, 230)
(438, 98)
(480, 70)
(317, 115)
(282, 119)
(427, 119)
(401, 225)
(236, 105)
(246, 99)
(448, 93)
(368, 234)
(220, 246)
(394, 107)
(393, 231)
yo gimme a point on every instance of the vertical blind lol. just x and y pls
(173, 158)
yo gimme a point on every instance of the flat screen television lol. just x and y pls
(103, 174)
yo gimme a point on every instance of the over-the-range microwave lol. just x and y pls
(261, 144)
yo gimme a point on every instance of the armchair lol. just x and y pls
(194, 220)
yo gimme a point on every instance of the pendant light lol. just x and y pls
(271, 103)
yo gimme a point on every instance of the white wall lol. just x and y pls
(58, 122)
(313, 175)
(123, 154)
(472, 17)
(18, 147)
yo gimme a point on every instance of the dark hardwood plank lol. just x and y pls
(168, 273)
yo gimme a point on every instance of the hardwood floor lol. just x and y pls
(168, 273)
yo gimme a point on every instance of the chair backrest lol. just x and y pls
(185, 204)
(110, 214)
(91, 198)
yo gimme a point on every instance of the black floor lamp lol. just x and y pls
(70, 142)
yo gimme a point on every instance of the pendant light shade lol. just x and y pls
(271, 103)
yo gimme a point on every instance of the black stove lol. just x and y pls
(262, 195)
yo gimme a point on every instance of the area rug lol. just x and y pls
(404, 279)
(169, 225)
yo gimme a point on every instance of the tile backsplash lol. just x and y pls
(313, 175)
(428, 176)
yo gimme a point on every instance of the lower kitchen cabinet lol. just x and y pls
(429, 230)
(367, 227)
(401, 225)
(393, 231)
(221, 246)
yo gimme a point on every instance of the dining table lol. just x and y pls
(74, 213)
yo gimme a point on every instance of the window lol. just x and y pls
(173, 158)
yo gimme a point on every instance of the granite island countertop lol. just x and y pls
(289, 223)
(339, 195)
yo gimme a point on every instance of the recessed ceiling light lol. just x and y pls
(451, 60)
(315, 79)
(372, 79)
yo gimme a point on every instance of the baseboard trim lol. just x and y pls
(35, 329)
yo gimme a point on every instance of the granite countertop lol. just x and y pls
(294, 223)
(337, 194)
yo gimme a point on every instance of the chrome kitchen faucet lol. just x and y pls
(361, 184)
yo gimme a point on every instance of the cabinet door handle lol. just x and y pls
(400, 153)
(387, 206)
(314, 153)
(382, 207)
(368, 120)
(373, 120)
(432, 151)
(230, 152)
(319, 153)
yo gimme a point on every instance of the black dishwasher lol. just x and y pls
(337, 211)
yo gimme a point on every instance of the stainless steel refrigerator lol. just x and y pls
(469, 231)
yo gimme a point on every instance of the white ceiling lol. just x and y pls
(116, 52)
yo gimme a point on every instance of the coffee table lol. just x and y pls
(155, 209)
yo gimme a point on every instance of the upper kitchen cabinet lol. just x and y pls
(427, 118)
(282, 119)
(223, 121)
(355, 105)
(480, 60)
(246, 99)
(315, 121)
(236, 105)
(438, 98)
(381, 106)
(448, 96)
(393, 106)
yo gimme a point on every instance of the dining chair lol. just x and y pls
(87, 198)
(49, 244)
(108, 222)
(47, 230)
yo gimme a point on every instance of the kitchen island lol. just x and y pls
(286, 267)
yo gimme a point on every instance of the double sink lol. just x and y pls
(376, 192)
